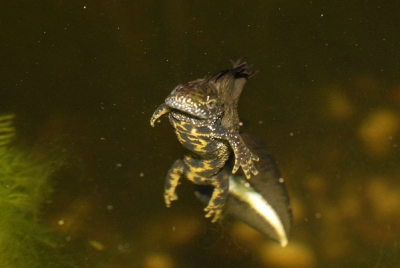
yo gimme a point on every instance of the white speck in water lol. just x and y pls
(141, 174)
(110, 207)
(61, 222)
(318, 215)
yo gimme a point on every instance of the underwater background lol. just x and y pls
(84, 77)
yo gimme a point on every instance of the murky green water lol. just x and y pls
(84, 79)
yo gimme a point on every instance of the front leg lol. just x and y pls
(243, 156)
(220, 194)
(171, 182)
(161, 110)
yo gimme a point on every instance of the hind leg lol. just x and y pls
(221, 188)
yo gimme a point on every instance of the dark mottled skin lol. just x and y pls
(204, 115)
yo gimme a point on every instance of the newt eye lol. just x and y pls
(175, 89)
(211, 103)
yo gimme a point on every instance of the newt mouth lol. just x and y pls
(189, 118)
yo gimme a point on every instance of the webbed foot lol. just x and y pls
(214, 212)
(243, 156)
(245, 159)
(170, 196)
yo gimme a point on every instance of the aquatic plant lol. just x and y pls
(24, 186)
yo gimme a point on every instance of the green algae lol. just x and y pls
(25, 184)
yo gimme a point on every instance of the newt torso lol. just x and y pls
(205, 156)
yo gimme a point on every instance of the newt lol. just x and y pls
(204, 116)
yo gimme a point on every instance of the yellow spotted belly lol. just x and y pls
(205, 155)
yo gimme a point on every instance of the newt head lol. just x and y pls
(198, 98)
